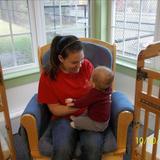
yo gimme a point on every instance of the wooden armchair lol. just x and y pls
(99, 53)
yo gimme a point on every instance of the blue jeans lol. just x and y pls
(64, 139)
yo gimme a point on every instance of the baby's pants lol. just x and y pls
(86, 123)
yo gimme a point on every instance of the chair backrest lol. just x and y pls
(97, 51)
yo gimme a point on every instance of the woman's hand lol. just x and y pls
(61, 110)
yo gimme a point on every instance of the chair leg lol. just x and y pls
(112, 157)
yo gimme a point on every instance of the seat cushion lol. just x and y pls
(46, 147)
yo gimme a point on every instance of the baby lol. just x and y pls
(97, 101)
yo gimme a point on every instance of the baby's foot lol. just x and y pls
(72, 125)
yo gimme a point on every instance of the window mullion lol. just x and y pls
(39, 19)
(124, 26)
(76, 9)
(139, 25)
(60, 14)
(155, 61)
(112, 21)
(33, 31)
(12, 39)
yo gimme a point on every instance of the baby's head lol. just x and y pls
(102, 77)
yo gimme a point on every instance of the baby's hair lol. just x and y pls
(102, 77)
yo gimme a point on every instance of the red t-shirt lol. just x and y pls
(66, 85)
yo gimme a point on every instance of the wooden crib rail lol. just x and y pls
(152, 50)
(149, 103)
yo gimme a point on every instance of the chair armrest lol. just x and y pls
(34, 121)
(40, 112)
(28, 122)
(124, 120)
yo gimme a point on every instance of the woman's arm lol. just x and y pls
(61, 110)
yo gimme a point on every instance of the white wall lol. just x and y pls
(125, 84)
(18, 97)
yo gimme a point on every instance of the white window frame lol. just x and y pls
(26, 67)
(38, 37)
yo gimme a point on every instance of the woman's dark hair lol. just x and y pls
(61, 45)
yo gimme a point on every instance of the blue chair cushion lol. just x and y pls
(97, 54)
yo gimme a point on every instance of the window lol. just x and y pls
(133, 27)
(66, 17)
(15, 34)
(26, 24)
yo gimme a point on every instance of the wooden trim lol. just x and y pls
(146, 101)
(5, 110)
(41, 51)
(156, 132)
(145, 133)
(1, 153)
(152, 50)
(29, 123)
(149, 87)
(124, 119)
(43, 158)
(151, 74)
(1, 109)
(112, 157)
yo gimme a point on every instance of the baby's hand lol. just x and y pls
(69, 102)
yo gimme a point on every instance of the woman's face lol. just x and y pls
(72, 63)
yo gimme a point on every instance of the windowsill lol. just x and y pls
(21, 77)
(126, 62)
(127, 67)
(21, 73)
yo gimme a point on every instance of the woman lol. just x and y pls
(68, 75)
